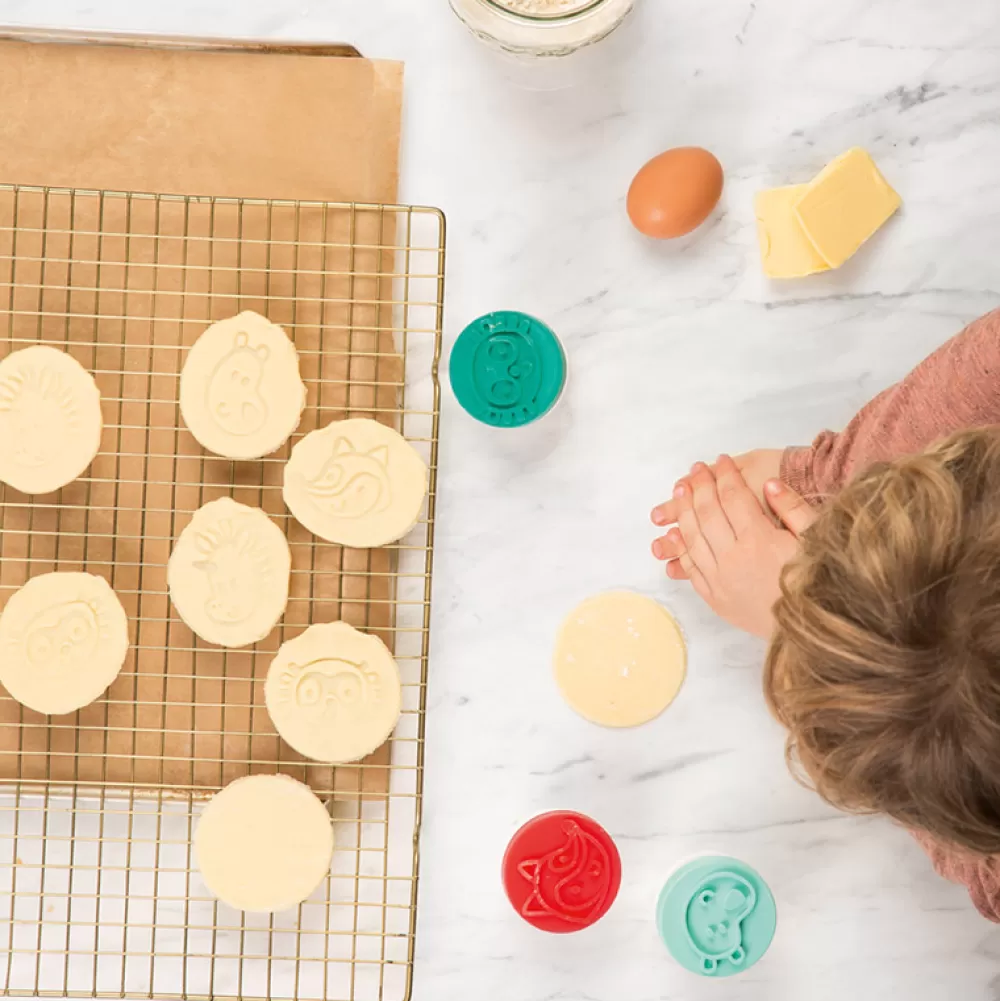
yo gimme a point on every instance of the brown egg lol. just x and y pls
(675, 192)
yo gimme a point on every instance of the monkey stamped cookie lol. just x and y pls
(356, 482)
(241, 393)
(334, 693)
(228, 575)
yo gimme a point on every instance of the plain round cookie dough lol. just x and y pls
(50, 419)
(241, 392)
(229, 572)
(334, 693)
(620, 659)
(264, 843)
(356, 482)
(63, 640)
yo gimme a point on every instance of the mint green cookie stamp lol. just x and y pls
(507, 369)
(716, 916)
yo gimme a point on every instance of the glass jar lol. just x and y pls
(542, 27)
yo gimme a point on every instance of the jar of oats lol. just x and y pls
(542, 27)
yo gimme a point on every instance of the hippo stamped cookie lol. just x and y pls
(356, 482)
(228, 574)
(241, 392)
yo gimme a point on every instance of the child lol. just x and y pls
(880, 597)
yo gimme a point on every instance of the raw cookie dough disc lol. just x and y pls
(264, 843)
(63, 640)
(228, 574)
(50, 419)
(333, 693)
(356, 482)
(241, 392)
(620, 659)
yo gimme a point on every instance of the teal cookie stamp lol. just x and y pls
(507, 369)
(716, 916)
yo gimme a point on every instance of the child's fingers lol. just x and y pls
(668, 512)
(664, 514)
(675, 571)
(669, 546)
(737, 499)
(712, 518)
(795, 514)
(698, 549)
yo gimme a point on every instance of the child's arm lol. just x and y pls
(957, 387)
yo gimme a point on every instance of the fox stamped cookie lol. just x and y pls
(356, 482)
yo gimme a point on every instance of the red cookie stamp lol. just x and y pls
(562, 871)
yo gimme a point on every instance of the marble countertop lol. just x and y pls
(676, 351)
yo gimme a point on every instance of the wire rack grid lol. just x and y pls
(99, 890)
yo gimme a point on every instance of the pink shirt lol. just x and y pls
(957, 387)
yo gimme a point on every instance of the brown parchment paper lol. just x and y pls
(125, 284)
(246, 124)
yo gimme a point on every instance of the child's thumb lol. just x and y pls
(793, 512)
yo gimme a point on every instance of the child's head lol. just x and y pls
(885, 661)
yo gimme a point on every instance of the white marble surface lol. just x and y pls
(677, 351)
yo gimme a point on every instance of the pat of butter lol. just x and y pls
(844, 205)
(785, 250)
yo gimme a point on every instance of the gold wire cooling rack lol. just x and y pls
(99, 892)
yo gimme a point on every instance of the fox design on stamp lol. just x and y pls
(572, 881)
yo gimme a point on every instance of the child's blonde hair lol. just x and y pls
(885, 661)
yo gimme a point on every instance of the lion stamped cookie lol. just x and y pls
(50, 419)
(228, 575)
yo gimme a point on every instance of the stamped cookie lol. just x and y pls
(50, 419)
(620, 659)
(241, 392)
(63, 640)
(264, 843)
(356, 482)
(228, 574)
(333, 693)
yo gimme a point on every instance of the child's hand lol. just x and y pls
(728, 547)
(756, 467)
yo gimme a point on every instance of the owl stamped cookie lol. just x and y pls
(334, 693)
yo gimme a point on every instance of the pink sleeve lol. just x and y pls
(957, 387)
(980, 876)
